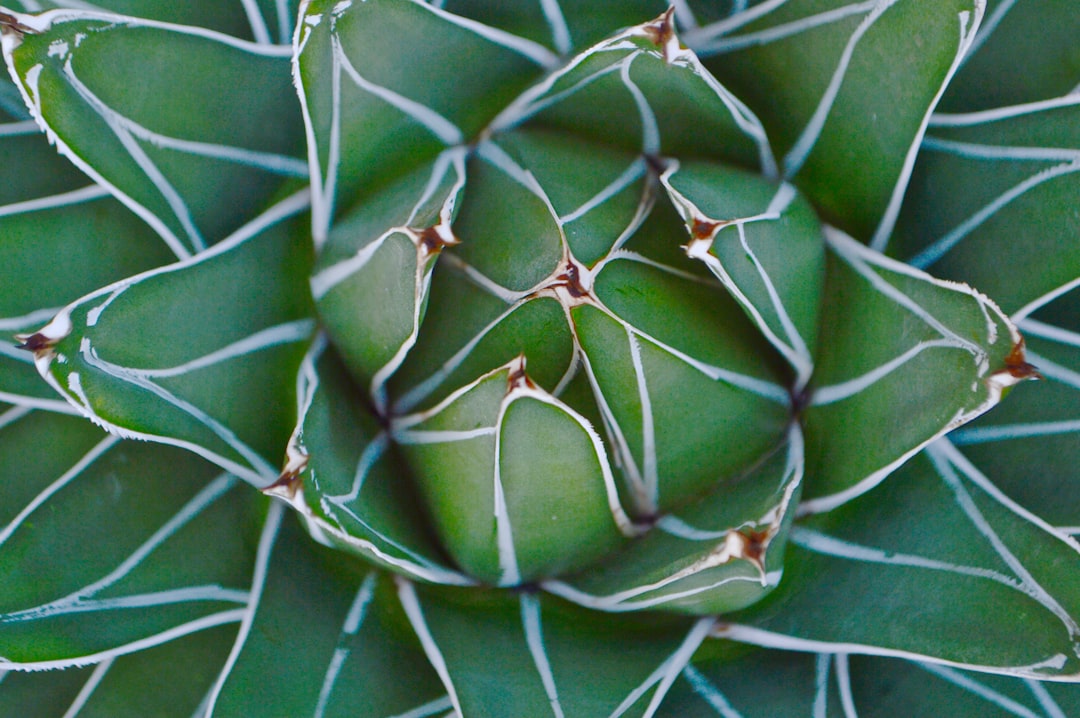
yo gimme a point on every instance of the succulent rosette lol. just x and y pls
(612, 358)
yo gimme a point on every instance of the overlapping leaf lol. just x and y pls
(842, 96)
(736, 682)
(498, 651)
(264, 21)
(61, 236)
(907, 359)
(1010, 227)
(320, 635)
(345, 479)
(109, 547)
(164, 154)
(200, 354)
(722, 552)
(353, 85)
(324, 637)
(954, 552)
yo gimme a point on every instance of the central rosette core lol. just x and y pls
(571, 375)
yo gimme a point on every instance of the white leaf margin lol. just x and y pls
(863, 260)
(259, 472)
(43, 22)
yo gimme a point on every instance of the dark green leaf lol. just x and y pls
(164, 152)
(946, 552)
(325, 637)
(904, 358)
(200, 354)
(844, 90)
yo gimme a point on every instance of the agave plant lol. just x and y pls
(540, 359)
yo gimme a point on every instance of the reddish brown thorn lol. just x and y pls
(433, 241)
(517, 378)
(662, 29)
(289, 482)
(571, 279)
(10, 24)
(756, 543)
(704, 229)
(34, 342)
(1016, 364)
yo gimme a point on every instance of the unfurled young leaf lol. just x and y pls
(463, 358)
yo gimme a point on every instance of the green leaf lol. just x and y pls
(720, 553)
(264, 21)
(373, 276)
(345, 478)
(907, 359)
(41, 694)
(165, 154)
(200, 354)
(842, 93)
(142, 683)
(110, 547)
(954, 553)
(497, 652)
(994, 196)
(1024, 52)
(60, 237)
(324, 636)
(658, 100)
(563, 26)
(885, 688)
(763, 243)
(1029, 445)
(374, 80)
(730, 680)
(517, 483)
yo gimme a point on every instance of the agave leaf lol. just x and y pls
(659, 100)
(41, 694)
(907, 359)
(563, 26)
(733, 217)
(345, 480)
(142, 683)
(842, 96)
(110, 547)
(722, 552)
(470, 330)
(60, 237)
(192, 178)
(499, 463)
(955, 553)
(1011, 171)
(497, 651)
(730, 679)
(264, 21)
(1028, 48)
(734, 681)
(201, 353)
(323, 637)
(372, 279)
(883, 688)
(369, 114)
(1039, 426)
(1012, 176)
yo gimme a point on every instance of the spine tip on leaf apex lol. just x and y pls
(10, 25)
(434, 239)
(517, 378)
(662, 33)
(289, 482)
(35, 343)
(1017, 366)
